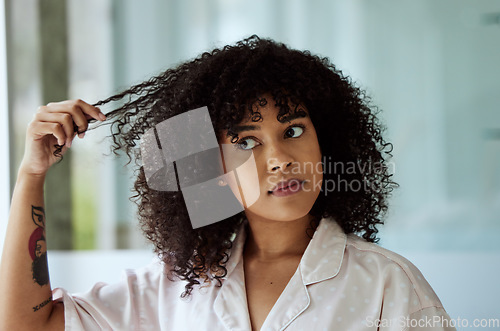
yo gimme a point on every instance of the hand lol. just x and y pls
(55, 124)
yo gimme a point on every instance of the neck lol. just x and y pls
(270, 240)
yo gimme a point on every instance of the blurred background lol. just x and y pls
(432, 66)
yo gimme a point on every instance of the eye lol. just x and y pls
(294, 131)
(246, 143)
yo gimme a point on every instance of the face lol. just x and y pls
(40, 248)
(288, 160)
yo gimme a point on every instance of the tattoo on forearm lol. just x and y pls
(38, 248)
(43, 304)
(38, 216)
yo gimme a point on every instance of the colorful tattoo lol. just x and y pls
(38, 248)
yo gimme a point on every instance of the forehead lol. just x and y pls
(282, 110)
(255, 125)
(266, 107)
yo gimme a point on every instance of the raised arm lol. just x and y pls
(25, 291)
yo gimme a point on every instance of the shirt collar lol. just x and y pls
(322, 258)
(324, 254)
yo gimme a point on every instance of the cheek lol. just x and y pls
(246, 184)
(241, 174)
(316, 174)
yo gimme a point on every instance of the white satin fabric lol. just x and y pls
(342, 283)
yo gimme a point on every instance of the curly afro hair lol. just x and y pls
(231, 81)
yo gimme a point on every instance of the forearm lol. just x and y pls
(25, 293)
(26, 296)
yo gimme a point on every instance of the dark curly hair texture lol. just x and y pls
(231, 82)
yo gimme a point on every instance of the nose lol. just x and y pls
(279, 159)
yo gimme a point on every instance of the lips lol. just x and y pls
(286, 185)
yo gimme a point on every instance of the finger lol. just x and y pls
(80, 109)
(42, 129)
(79, 118)
(88, 109)
(65, 120)
(81, 112)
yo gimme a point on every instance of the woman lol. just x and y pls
(301, 255)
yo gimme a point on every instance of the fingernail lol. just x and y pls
(81, 135)
(102, 117)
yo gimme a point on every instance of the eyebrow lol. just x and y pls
(288, 118)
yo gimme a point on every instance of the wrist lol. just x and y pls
(24, 174)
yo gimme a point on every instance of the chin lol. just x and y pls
(279, 213)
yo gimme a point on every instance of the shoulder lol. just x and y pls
(399, 277)
(134, 286)
(389, 261)
(130, 301)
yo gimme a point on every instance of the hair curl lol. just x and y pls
(230, 81)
